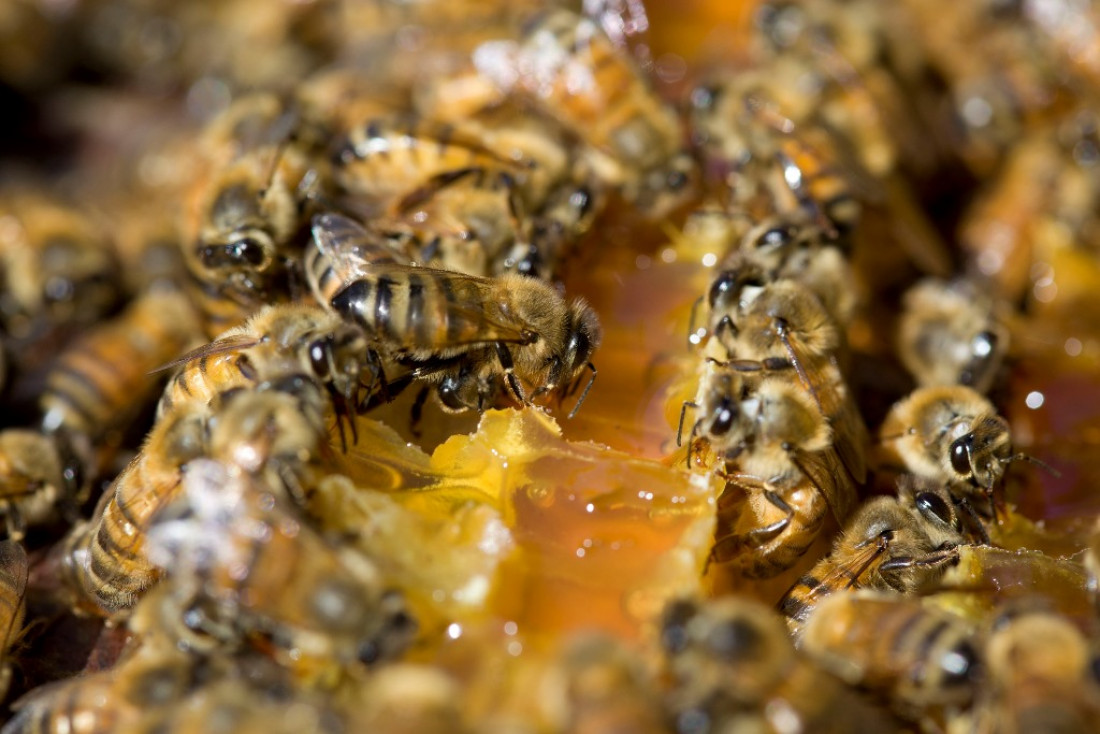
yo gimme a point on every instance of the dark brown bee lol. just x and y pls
(464, 334)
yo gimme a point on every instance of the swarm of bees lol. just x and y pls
(344, 227)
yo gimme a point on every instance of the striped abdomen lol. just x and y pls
(103, 379)
(420, 313)
(109, 557)
(387, 158)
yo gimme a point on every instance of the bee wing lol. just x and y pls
(822, 377)
(844, 575)
(480, 314)
(13, 569)
(824, 469)
(224, 345)
(350, 248)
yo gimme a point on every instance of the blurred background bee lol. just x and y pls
(732, 665)
(923, 661)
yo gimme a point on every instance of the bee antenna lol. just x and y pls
(584, 392)
(683, 413)
(1032, 460)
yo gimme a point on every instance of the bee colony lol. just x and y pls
(421, 366)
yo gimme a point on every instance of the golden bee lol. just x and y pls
(247, 218)
(920, 659)
(949, 334)
(383, 160)
(262, 571)
(900, 544)
(572, 72)
(462, 334)
(275, 342)
(13, 607)
(770, 164)
(105, 561)
(732, 667)
(785, 466)
(100, 380)
(950, 434)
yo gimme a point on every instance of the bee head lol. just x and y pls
(980, 455)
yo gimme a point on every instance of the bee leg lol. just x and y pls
(727, 548)
(974, 519)
(13, 520)
(933, 560)
(724, 326)
(417, 411)
(505, 358)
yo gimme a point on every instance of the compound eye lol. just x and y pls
(722, 285)
(734, 639)
(774, 238)
(723, 419)
(318, 357)
(674, 633)
(676, 180)
(960, 455)
(245, 251)
(932, 504)
(960, 665)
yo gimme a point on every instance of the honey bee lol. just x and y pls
(39, 475)
(900, 544)
(463, 334)
(1041, 677)
(83, 704)
(105, 561)
(266, 573)
(732, 667)
(950, 335)
(571, 71)
(919, 658)
(782, 445)
(608, 689)
(782, 321)
(950, 434)
(385, 159)
(793, 248)
(13, 590)
(469, 224)
(246, 219)
(275, 432)
(57, 265)
(102, 379)
(276, 341)
(236, 705)
(770, 164)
